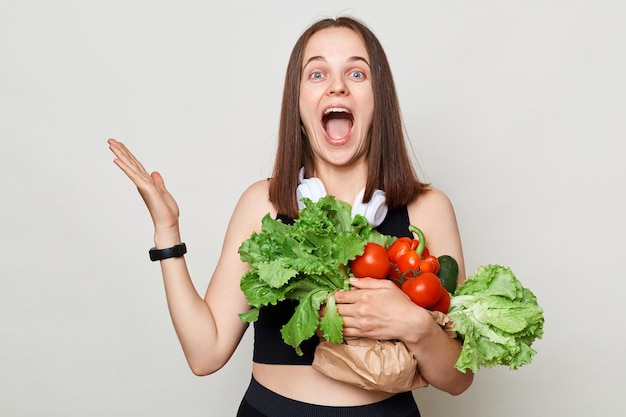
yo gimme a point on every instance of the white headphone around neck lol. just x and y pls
(313, 188)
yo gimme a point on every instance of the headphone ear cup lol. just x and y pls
(311, 188)
(375, 211)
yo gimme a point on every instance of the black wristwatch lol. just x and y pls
(173, 252)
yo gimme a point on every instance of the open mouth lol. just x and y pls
(337, 122)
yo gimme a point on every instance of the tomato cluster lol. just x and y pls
(410, 266)
(409, 261)
(426, 291)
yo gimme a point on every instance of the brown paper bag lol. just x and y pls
(444, 321)
(381, 365)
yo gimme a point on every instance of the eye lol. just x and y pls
(317, 75)
(357, 75)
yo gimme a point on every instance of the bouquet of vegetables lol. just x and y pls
(307, 261)
(495, 316)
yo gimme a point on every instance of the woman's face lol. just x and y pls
(336, 96)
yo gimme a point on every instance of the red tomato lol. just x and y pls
(443, 304)
(374, 262)
(424, 290)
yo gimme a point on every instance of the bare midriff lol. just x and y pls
(303, 383)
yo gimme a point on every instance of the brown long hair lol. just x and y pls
(389, 166)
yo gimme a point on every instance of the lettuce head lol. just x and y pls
(497, 318)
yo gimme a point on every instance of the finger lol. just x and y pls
(356, 295)
(358, 327)
(345, 297)
(128, 163)
(370, 283)
(158, 179)
(345, 311)
(118, 148)
(121, 151)
(131, 157)
(131, 161)
(137, 175)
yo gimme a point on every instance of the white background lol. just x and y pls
(514, 108)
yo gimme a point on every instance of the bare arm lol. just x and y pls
(208, 328)
(380, 310)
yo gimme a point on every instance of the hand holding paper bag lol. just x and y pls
(380, 365)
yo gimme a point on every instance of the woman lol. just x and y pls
(340, 124)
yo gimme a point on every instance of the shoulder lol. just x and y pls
(431, 203)
(434, 214)
(257, 191)
(253, 204)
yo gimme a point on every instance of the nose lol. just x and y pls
(337, 86)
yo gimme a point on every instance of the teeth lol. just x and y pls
(336, 110)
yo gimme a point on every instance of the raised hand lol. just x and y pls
(162, 206)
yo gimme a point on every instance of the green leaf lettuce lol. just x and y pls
(497, 318)
(306, 262)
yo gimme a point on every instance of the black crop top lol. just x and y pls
(269, 346)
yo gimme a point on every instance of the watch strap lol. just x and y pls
(174, 252)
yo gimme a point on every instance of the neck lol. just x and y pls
(343, 182)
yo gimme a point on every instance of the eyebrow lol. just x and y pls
(321, 58)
